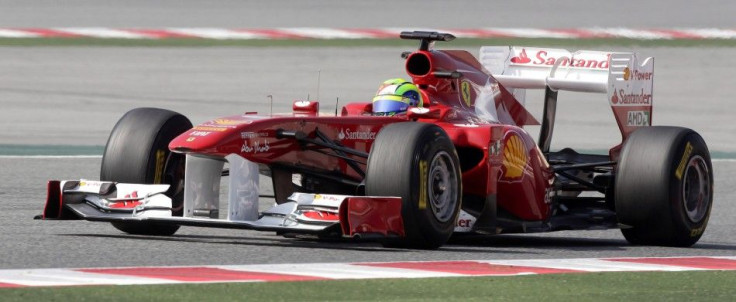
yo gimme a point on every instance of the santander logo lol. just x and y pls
(551, 57)
(347, 134)
(522, 58)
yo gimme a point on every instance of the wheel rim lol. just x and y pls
(442, 187)
(696, 189)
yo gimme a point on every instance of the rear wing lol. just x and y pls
(626, 79)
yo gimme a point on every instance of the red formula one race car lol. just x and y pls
(460, 162)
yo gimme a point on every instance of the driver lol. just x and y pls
(395, 96)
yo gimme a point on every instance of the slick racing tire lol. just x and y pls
(417, 162)
(664, 187)
(137, 152)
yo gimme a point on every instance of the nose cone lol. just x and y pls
(220, 136)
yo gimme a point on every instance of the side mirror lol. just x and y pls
(415, 113)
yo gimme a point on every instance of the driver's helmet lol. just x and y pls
(395, 96)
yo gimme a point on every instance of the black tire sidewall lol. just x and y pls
(688, 232)
(648, 193)
(427, 147)
(130, 153)
(393, 170)
(137, 152)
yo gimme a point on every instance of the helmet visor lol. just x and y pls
(389, 104)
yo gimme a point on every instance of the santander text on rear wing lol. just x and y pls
(626, 78)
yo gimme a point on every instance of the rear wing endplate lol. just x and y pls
(624, 77)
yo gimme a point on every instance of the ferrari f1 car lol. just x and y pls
(460, 163)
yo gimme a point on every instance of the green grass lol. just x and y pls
(642, 286)
(194, 42)
(31, 150)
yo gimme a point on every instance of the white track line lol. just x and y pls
(366, 33)
(339, 271)
(216, 33)
(9, 33)
(101, 32)
(325, 33)
(68, 277)
(532, 33)
(591, 265)
(712, 33)
(336, 271)
(630, 33)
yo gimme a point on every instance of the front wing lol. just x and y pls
(356, 216)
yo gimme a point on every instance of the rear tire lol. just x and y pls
(137, 151)
(664, 187)
(417, 162)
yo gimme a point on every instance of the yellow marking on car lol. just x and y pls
(423, 185)
(699, 231)
(158, 175)
(228, 122)
(515, 157)
(206, 128)
(683, 161)
(465, 91)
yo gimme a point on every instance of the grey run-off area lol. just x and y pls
(28, 243)
(367, 14)
(74, 95)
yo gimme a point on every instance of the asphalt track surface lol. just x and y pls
(376, 13)
(28, 243)
(74, 95)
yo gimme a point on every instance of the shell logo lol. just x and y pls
(627, 74)
(514, 157)
(465, 91)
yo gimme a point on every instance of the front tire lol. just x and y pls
(664, 187)
(137, 152)
(417, 162)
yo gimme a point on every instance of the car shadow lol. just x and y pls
(310, 243)
(562, 243)
(481, 244)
